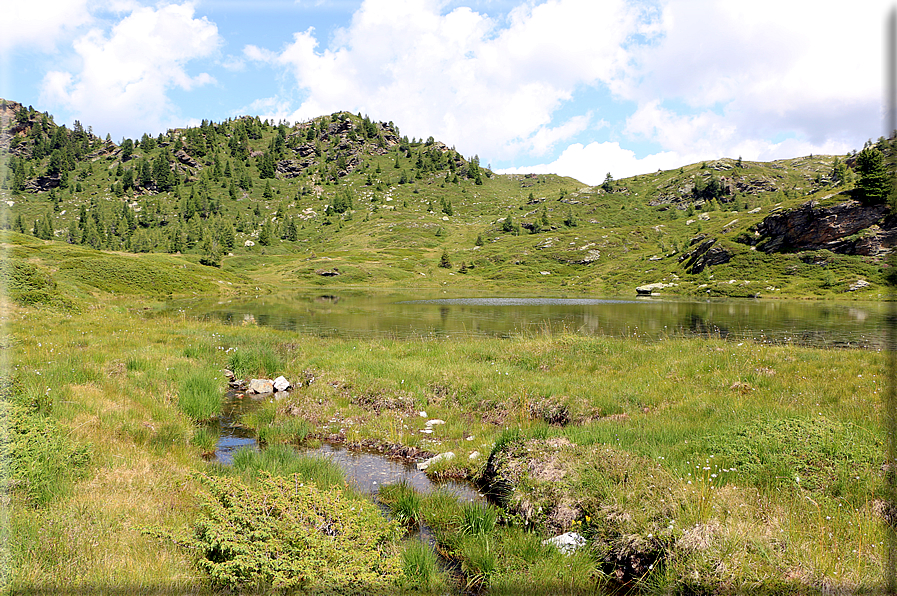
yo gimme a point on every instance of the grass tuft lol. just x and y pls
(200, 395)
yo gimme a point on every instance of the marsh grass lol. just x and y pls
(420, 567)
(283, 460)
(205, 437)
(255, 361)
(403, 501)
(200, 395)
(673, 403)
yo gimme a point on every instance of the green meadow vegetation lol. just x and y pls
(689, 465)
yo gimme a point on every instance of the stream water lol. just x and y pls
(365, 470)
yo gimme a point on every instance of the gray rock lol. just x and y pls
(260, 386)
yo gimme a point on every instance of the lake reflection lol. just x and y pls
(391, 314)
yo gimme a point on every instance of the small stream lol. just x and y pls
(366, 471)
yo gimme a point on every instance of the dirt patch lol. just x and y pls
(378, 402)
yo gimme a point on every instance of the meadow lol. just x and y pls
(690, 465)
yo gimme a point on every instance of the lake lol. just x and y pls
(407, 314)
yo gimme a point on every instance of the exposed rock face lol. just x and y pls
(42, 183)
(810, 227)
(707, 254)
(183, 157)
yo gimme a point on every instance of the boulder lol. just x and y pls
(707, 254)
(260, 386)
(648, 289)
(281, 384)
(183, 157)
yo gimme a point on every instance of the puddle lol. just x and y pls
(368, 471)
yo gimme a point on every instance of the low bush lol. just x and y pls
(285, 533)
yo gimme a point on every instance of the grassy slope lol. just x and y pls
(396, 233)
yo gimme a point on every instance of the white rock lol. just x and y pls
(567, 543)
(435, 421)
(473, 455)
(281, 384)
(422, 414)
(249, 243)
(447, 456)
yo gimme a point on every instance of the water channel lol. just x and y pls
(404, 314)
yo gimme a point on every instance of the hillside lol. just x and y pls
(343, 200)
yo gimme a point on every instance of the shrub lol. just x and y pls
(284, 533)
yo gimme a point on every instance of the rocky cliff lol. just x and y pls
(847, 228)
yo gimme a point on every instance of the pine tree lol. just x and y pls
(444, 261)
(874, 184)
(265, 234)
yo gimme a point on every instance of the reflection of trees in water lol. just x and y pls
(812, 324)
(698, 325)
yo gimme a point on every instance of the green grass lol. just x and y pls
(200, 395)
(644, 420)
(283, 460)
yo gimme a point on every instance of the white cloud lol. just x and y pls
(727, 75)
(460, 76)
(40, 24)
(125, 75)
(591, 163)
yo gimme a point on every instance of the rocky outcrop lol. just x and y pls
(846, 228)
(184, 157)
(707, 254)
(42, 183)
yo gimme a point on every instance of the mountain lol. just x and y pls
(345, 200)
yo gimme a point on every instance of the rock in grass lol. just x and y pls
(448, 455)
(281, 384)
(261, 386)
(567, 543)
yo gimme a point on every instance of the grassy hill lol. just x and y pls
(342, 200)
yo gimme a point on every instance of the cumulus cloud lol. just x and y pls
(125, 75)
(729, 76)
(592, 162)
(462, 76)
(41, 24)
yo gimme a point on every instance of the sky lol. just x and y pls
(579, 88)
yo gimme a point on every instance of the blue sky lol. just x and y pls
(574, 87)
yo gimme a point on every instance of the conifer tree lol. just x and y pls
(874, 184)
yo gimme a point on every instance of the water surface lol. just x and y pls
(358, 314)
